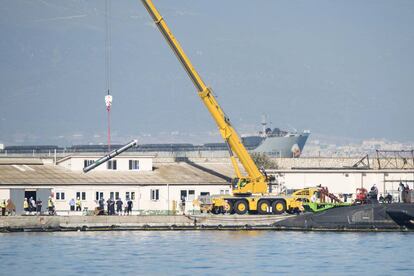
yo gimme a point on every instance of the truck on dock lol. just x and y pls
(250, 192)
(318, 199)
(311, 199)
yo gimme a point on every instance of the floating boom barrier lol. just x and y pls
(110, 155)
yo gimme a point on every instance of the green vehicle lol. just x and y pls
(319, 207)
(314, 199)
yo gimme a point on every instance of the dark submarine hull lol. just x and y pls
(369, 217)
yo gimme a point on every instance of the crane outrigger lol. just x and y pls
(249, 192)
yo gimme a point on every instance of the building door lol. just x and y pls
(17, 197)
(183, 195)
(43, 195)
(183, 198)
(30, 193)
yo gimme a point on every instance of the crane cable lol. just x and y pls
(108, 97)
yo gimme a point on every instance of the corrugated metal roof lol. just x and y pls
(171, 173)
(20, 161)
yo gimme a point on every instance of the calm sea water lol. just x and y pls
(206, 253)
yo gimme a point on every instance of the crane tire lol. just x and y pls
(279, 207)
(241, 207)
(263, 207)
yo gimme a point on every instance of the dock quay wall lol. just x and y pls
(366, 218)
(102, 223)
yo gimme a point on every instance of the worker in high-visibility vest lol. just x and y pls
(50, 205)
(78, 204)
(26, 205)
(3, 207)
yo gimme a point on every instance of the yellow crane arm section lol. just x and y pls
(256, 181)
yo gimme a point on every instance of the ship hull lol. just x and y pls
(286, 146)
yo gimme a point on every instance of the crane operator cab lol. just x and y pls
(239, 183)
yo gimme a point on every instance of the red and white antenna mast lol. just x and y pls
(108, 97)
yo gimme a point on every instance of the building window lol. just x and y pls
(88, 162)
(204, 193)
(130, 195)
(111, 165)
(114, 195)
(81, 195)
(191, 195)
(155, 194)
(60, 196)
(224, 192)
(99, 195)
(187, 195)
(134, 165)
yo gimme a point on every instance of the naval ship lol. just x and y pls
(274, 142)
(277, 142)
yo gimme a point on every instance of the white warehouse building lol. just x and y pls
(344, 181)
(161, 188)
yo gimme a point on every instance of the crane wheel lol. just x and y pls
(279, 207)
(241, 207)
(263, 207)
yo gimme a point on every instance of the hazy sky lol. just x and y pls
(338, 68)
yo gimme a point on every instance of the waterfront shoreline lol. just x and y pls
(14, 224)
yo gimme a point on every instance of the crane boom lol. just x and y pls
(255, 182)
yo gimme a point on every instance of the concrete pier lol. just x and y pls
(107, 223)
(369, 217)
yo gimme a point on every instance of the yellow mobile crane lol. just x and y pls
(249, 193)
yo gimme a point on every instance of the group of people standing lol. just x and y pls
(403, 194)
(114, 207)
(31, 206)
(373, 196)
(75, 205)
